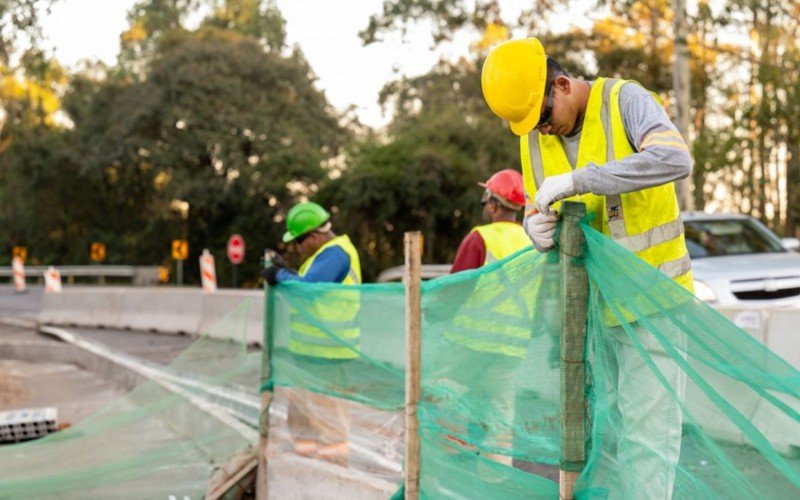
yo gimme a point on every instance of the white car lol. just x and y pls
(737, 261)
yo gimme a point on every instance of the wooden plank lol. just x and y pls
(413, 252)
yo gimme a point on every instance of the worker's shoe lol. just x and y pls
(305, 447)
(337, 453)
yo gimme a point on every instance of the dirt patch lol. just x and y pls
(11, 389)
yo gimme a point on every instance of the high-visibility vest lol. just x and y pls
(646, 222)
(502, 239)
(326, 326)
(497, 317)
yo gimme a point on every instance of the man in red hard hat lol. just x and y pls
(504, 346)
(503, 199)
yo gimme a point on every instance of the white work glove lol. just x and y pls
(553, 189)
(540, 229)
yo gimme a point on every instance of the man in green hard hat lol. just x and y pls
(324, 336)
(333, 259)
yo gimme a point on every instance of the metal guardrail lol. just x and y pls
(139, 275)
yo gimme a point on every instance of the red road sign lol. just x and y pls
(236, 249)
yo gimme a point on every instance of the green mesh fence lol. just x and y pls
(168, 438)
(679, 402)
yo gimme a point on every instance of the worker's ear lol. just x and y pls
(563, 83)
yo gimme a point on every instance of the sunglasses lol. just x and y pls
(547, 111)
(486, 198)
(303, 237)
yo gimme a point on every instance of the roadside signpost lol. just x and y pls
(180, 252)
(235, 254)
(97, 252)
(20, 252)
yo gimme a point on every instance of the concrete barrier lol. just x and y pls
(168, 310)
(779, 330)
(776, 328)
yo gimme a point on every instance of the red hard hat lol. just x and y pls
(506, 184)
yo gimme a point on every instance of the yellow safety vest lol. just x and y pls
(326, 327)
(502, 239)
(497, 317)
(646, 222)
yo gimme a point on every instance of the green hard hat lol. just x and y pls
(303, 218)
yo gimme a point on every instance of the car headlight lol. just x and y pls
(704, 292)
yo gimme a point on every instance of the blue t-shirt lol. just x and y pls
(330, 266)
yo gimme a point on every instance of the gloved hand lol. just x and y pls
(540, 229)
(270, 274)
(274, 259)
(553, 189)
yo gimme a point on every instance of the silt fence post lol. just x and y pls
(574, 282)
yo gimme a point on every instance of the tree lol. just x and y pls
(442, 141)
(228, 135)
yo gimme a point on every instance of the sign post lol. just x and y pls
(235, 254)
(180, 252)
(97, 254)
(20, 252)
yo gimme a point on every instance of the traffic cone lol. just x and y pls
(52, 280)
(208, 274)
(19, 274)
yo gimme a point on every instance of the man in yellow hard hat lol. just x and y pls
(324, 336)
(609, 143)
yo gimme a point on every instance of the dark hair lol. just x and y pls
(554, 70)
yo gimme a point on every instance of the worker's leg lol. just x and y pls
(302, 433)
(650, 441)
(494, 390)
(332, 425)
(330, 416)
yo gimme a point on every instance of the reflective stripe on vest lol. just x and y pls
(502, 239)
(646, 222)
(327, 327)
(507, 328)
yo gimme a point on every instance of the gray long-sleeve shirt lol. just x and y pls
(660, 154)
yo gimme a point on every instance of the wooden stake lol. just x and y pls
(412, 280)
(574, 284)
(266, 394)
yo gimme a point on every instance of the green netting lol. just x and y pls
(165, 439)
(679, 402)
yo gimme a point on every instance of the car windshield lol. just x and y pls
(710, 238)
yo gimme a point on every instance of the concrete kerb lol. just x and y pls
(81, 306)
(167, 310)
(217, 305)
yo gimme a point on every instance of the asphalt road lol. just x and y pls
(20, 305)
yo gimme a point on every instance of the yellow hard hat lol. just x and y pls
(513, 82)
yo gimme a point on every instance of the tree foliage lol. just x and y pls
(218, 136)
(202, 133)
(442, 142)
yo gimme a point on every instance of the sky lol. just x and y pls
(325, 30)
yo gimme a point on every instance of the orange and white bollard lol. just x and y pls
(19, 274)
(52, 280)
(208, 273)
